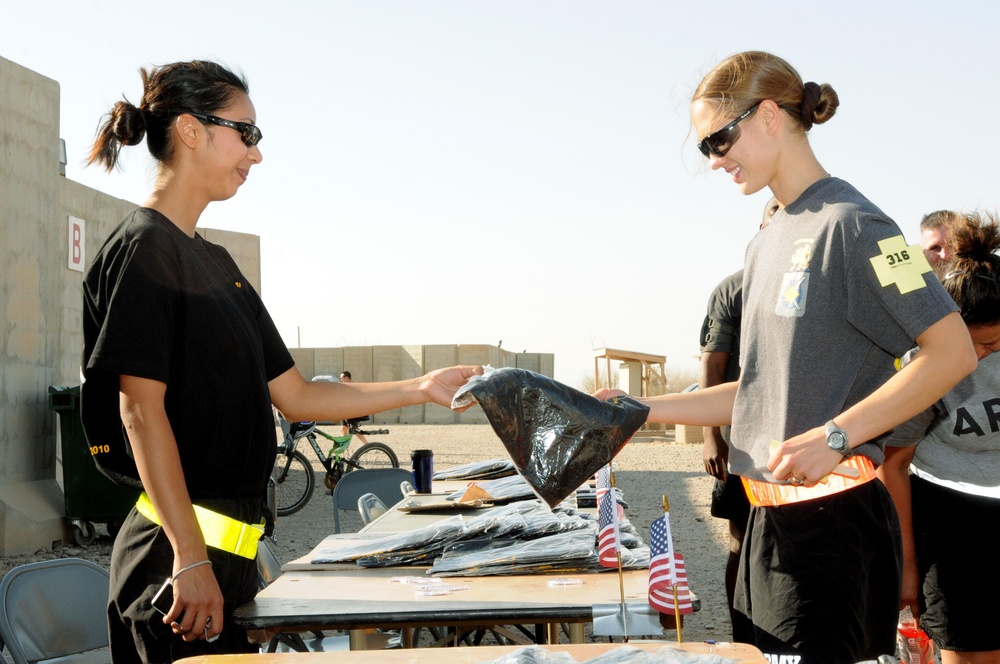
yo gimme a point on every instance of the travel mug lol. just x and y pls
(423, 470)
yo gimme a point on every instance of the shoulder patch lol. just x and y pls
(901, 265)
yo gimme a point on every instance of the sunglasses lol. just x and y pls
(250, 134)
(720, 142)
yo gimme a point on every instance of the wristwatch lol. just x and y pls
(836, 438)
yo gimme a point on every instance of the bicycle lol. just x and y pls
(294, 476)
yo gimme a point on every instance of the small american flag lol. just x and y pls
(603, 482)
(666, 568)
(608, 539)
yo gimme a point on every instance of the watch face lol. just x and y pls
(837, 441)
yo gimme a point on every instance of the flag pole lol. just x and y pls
(618, 553)
(677, 604)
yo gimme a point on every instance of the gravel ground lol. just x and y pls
(646, 469)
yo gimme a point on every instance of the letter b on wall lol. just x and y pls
(76, 255)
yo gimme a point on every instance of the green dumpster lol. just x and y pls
(90, 496)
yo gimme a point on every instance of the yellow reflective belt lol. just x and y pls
(768, 494)
(220, 531)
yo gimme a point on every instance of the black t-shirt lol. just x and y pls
(162, 305)
(720, 332)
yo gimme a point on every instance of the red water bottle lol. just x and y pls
(915, 647)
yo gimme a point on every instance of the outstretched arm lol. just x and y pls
(710, 407)
(301, 400)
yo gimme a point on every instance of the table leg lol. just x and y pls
(356, 639)
(576, 632)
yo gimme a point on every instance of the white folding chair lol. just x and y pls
(370, 507)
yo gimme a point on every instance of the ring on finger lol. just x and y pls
(795, 480)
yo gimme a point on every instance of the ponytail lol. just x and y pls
(973, 275)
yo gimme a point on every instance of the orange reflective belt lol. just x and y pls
(769, 494)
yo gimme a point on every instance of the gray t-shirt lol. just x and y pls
(832, 295)
(959, 436)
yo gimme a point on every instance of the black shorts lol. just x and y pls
(957, 565)
(142, 559)
(729, 500)
(822, 578)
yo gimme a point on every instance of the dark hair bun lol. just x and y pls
(826, 105)
(127, 124)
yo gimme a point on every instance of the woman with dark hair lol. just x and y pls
(943, 468)
(181, 366)
(832, 295)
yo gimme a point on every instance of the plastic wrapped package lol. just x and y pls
(501, 490)
(484, 557)
(507, 521)
(665, 655)
(624, 654)
(534, 655)
(526, 524)
(543, 521)
(557, 436)
(477, 470)
(419, 545)
(446, 530)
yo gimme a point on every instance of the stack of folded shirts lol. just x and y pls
(477, 470)
(519, 538)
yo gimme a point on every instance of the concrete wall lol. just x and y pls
(390, 363)
(31, 237)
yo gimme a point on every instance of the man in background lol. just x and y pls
(934, 231)
(345, 425)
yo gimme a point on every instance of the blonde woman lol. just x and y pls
(832, 295)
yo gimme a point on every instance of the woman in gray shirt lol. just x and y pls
(943, 470)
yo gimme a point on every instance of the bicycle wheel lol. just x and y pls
(374, 455)
(294, 480)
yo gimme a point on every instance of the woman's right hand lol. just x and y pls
(197, 604)
(715, 453)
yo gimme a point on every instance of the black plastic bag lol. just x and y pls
(557, 436)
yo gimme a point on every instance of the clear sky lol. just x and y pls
(470, 171)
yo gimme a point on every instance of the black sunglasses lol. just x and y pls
(250, 134)
(719, 142)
